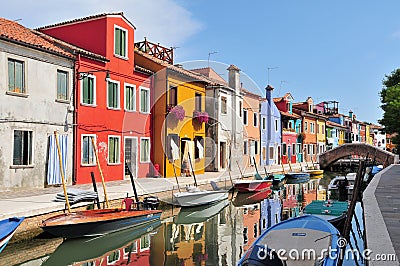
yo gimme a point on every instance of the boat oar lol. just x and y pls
(241, 174)
(191, 166)
(290, 166)
(62, 172)
(133, 184)
(176, 178)
(266, 173)
(101, 172)
(95, 190)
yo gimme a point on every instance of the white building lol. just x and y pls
(36, 81)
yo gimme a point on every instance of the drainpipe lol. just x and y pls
(165, 119)
(75, 121)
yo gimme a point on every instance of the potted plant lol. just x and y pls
(177, 111)
(201, 117)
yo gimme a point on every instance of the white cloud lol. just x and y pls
(162, 21)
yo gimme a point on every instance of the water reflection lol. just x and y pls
(217, 234)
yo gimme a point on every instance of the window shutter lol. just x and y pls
(19, 84)
(11, 76)
(117, 41)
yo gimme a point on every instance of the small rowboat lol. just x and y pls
(297, 175)
(314, 172)
(7, 229)
(275, 246)
(91, 223)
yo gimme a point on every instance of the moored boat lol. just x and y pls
(90, 223)
(334, 212)
(7, 229)
(252, 185)
(277, 178)
(297, 175)
(314, 172)
(195, 197)
(350, 177)
(302, 233)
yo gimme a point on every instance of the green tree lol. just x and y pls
(390, 99)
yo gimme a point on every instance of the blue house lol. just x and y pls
(270, 130)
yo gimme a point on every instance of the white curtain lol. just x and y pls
(53, 167)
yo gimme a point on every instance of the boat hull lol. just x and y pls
(297, 175)
(200, 214)
(7, 230)
(252, 185)
(197, 198)
(97, 222)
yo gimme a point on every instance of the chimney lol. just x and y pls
(269, 90)
(234, 77)
(351, 114)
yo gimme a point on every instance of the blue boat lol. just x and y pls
(7, 229)
(276, 178)
(304, 240)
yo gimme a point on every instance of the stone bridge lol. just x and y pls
(361, 149)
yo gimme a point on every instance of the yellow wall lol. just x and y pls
(187, 128)
(321, 132)
(367, 135)
(341, 136)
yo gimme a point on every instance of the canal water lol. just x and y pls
(218, 234)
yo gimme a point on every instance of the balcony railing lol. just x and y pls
(156, 50)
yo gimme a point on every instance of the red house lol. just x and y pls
(112, 99)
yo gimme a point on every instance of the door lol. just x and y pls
(222, 155)
(130, 151)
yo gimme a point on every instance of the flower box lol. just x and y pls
(201, 117)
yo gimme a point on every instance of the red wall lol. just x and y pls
(97, 36)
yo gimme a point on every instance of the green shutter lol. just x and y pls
(11, 75)
(123, 43)
(111, 151)
(117, 41)
(85, 85)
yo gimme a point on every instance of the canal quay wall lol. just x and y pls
(38, 204)
(382, 216)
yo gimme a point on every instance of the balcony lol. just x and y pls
(156, 50)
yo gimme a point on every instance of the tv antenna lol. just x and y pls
(270, 68)
(210, 53)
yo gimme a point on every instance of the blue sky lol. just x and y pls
(330, 50)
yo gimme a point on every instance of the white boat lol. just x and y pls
(195, 197)
(351, 177)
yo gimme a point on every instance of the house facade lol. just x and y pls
(291, 127)
(224, 105)
(112, 100)
(271, 133)
(251, 129)
(36, 84)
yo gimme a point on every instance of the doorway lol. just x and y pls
(222, 155)
(130, 151)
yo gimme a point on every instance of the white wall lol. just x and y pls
(37, 111)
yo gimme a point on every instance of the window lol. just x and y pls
(312, 128)
(113, 94)
(305, 126)
(255, 230)
(271, 153)
(113, 258)
(198, 147)
(16, 76)
(130, 97)
(62, 85)
(173, 96)
(197, 98)
(113, 149)
(276, 125)
(245, 145)
(245, 117)
(224, 108)
(88, 86)
(144, 100)
(284, 148)
(264, 153)
(245, 237)
(88, 156)
(23, 147)
(255, 119)
(144, 150)
(120, 41)
(240, 109)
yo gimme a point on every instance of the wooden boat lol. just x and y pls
(199, 214)
(277, 178)
(76, 250)
(314, 172)
(306, 232)
(251, 197)
(252, 185)
(297, 175)
(195, 196)
(91, 223)
(7, 229)
(334, 212)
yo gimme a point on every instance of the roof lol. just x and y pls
(14, 32)
(180, 70)
(278, 99)
(293, 115)
(251, 94)
(78, 20)
(333, 124)
(211, 74)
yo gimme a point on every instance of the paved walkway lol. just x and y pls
(39, 201)
(382, 215)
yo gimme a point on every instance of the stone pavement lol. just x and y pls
(382, 215)
(39, 201)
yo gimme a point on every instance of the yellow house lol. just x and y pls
(341, 137)
(321, 135)
(178, 116)
(368, 138)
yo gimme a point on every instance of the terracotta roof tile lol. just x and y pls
(14, 32)
(211, 74)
